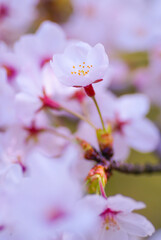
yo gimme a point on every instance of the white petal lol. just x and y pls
(132, 106)
(121, 148)
(135, 224)
(124, 204)
(26, 106)
(77, 52)
(51, 36)
(61, 65)
(142, 135)
(31, 85)
(98, 203)
(113, 235)
(97, 56)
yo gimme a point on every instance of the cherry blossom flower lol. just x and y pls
(80, 65)
(92, 14)
(42, 89)
(147, 80)
(15, 18)
(21, 139)
(35, 50)
(130, 127)
(117, 220)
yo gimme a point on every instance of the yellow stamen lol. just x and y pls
(83, 69)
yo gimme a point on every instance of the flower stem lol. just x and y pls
(102, 191)
(99, 112)
(78, 116)
(59, 134)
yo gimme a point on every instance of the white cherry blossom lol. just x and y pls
(80, 65)
(117, 220)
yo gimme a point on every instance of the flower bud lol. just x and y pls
(96, 176)
(89, 152)
(105, 141)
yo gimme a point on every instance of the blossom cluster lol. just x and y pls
(57, 113)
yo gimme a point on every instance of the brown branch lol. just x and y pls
(136, 169)
(91, 154)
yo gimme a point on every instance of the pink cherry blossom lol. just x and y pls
(42, 89)
(117, 220)
(35, 50)
(14, 18)
(88, 15)
(56, 210)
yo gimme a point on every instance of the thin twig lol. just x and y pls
(136, 169)
(78, 116)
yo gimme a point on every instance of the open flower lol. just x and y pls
(81, 64)
(130, 126)
(117, 221)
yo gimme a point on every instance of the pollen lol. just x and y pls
(81, 69)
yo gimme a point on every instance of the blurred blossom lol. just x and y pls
(53, 208)
(9, 62)
(35, 50)
(15, 18)
(126, 116)
(124, 25)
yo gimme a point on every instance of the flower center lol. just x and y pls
(109, 218)
(81, 70)
(44, 61)
(4, 11)
(120, 124)
(11, 72)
